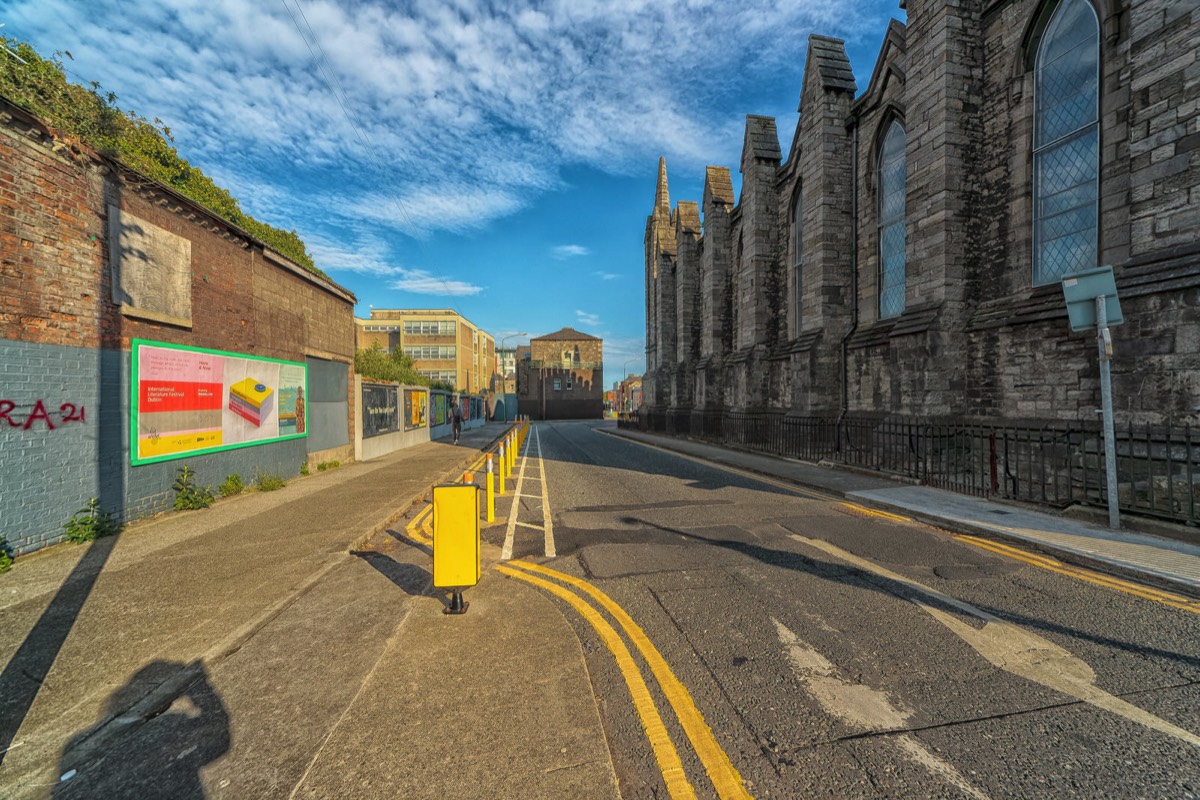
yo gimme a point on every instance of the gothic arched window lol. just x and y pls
(892, 232)
(1066, 143)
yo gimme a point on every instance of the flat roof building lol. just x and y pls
(444, 345)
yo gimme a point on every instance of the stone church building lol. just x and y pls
(905, 260)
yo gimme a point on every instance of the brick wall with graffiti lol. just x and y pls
(93, 257)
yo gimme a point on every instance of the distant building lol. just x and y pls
(444, 345)
(506, 371)
(561, 376)
(627, 394)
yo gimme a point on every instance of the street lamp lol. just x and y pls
(503, 376)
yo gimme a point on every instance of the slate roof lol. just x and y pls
(566, 335)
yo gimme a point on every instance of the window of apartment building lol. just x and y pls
(444, 327)
(570, 382)
(798, 252)
(431, 352)
(1066, 143)
(892, 231)
(558, 384)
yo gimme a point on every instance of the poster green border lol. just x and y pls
(136, 344)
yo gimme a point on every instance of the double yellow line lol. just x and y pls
(720, 770)
(855, 508)
(1097, 578)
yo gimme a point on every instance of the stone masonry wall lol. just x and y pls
(976, 338)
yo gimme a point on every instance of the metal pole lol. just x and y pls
(1104, 343)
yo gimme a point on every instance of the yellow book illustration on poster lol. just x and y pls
(251, 400)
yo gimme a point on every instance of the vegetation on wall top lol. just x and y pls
(90, 115)
(378, 364)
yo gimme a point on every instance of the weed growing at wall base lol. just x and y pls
(232, 485)
(189, 496)
(324, 465)
(91, 523)
(6, 559)
(266, 482)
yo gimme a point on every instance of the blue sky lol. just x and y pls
(495, 158)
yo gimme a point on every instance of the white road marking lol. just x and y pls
(546, 520)
(531, 525)
(506, 551)
(862, 707)
(1016, 650)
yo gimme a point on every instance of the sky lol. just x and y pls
(495, 158)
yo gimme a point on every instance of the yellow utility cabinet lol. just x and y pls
(456, 539)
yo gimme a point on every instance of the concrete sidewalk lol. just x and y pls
(1168, 563)
(269, 618)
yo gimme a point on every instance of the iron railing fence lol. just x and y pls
(1052, 463)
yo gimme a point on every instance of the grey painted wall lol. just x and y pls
(50, 467)
(328, 404)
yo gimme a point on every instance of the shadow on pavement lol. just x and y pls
(165, 761)
(26, 671)
(850, 575)
(412, 579)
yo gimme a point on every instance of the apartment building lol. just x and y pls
(444, 345)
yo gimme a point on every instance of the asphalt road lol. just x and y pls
(835, 653)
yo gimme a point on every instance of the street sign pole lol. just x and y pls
(1104, 343)
(1091, 297)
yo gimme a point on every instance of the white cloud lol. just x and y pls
(459, 113)
(565, 251)
(370, 256)
(586, 318)
(606, 276)
(418, 281)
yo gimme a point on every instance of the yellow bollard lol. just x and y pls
(503, 468)
(491, 492)
(456, 562)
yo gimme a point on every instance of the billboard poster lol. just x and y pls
(415, 405)
(379, 412)
(189, 400)
(439, 409)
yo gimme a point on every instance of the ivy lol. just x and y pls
(89, 114)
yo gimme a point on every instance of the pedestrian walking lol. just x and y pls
(456, 418)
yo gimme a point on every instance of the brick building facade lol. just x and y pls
(67, 322)
(561, 376)
(905, 259)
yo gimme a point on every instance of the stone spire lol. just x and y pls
(662, 198)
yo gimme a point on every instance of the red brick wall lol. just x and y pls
(51, 241)
(54, 278)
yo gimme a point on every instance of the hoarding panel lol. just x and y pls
(190, 400)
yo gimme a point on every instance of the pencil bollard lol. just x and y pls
(491, 492)
(503, 468)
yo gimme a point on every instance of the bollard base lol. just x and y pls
(457, 604)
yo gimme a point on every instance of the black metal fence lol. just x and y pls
(1055, 463)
